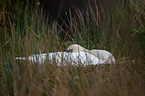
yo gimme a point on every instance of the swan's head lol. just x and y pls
(76, 48)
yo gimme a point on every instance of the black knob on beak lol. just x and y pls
(69, 50)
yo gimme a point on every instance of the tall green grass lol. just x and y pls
(25, 31)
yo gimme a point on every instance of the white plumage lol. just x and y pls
(103, 56)
(75, 55)
(63, 58)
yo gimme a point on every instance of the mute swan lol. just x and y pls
(63, 58)
(103, 55)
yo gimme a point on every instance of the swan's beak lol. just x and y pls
(69, 50)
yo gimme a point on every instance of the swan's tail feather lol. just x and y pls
(20, 58)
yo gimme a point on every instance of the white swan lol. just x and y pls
(63, 58)
(104, 56)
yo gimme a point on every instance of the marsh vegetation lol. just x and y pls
(26, 30)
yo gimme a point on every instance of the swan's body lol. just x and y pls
(63, 58)
(103, 55)
(75, 55)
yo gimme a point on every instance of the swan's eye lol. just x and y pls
(69, 50)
